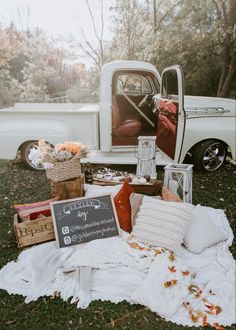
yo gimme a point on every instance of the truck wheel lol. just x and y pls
(25, 150)
(209, 155)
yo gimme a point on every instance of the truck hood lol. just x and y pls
(199, 106)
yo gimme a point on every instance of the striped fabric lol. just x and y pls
(24, 210)
(161, 223)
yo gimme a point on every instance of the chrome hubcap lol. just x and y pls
(214, 157)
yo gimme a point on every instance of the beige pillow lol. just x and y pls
(162, 224)
(169, 196)
(135, 202)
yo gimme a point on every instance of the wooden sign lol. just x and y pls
(81, 220)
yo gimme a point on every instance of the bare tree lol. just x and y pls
(95, 51)
(23, 19)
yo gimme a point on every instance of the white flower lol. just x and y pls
(47, 165)
(35, 156)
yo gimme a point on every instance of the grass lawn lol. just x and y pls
(19, 185)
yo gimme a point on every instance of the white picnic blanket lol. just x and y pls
(188, 289)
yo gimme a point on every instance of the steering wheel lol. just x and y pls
(143, 101)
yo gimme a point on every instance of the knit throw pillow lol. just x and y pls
(135, 203)
(161, 223)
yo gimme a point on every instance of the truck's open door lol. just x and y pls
(171, 114)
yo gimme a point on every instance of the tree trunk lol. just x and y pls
(226, 79)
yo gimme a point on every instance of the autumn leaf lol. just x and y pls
(194, 318)
(171, 257)
(172, 269)
(135, 245)
(210, 306)
(198, 294)
(218, 310)
(218, 327)
(204, 321)
(168, 284)
(185, 273)
(193, 288)
(186, 304)
(157, 252)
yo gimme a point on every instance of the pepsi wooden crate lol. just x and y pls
(32, 232)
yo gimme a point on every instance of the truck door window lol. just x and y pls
(133, 84)
(170, 86)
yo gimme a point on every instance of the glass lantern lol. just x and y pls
(146, 156)
(178, 179)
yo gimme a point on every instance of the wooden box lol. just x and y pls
(33, 231)
(68, 189)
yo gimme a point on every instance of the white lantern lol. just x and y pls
(146, 156)
(178, 179)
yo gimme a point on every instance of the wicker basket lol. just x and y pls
(67, 170)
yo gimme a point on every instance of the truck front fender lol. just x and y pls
(214, 128)
(14, 133)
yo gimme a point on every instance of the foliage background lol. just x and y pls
(197, 34)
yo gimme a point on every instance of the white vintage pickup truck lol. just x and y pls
(134, 101)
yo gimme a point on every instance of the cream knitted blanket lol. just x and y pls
(187, 289)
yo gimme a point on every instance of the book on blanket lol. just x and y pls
(81, 220)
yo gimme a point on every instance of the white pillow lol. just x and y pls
(92, 190)
(202, 232)
(161, 223)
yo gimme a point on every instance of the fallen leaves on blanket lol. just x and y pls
(171, 283)
(204, 321)
(195, 290)
(171, 256)
(195, 316)
(135, 245)
(172, 269)
(185, 273)
(218, 327)
(212, 309)
(218, 310)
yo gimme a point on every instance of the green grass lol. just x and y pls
(19, 185)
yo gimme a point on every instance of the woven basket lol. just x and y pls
(62, 171)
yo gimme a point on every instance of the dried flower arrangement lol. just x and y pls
(46, 155)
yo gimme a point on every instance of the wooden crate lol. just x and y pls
(33, 231)
(68, 189)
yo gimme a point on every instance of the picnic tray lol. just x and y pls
(153, 187)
